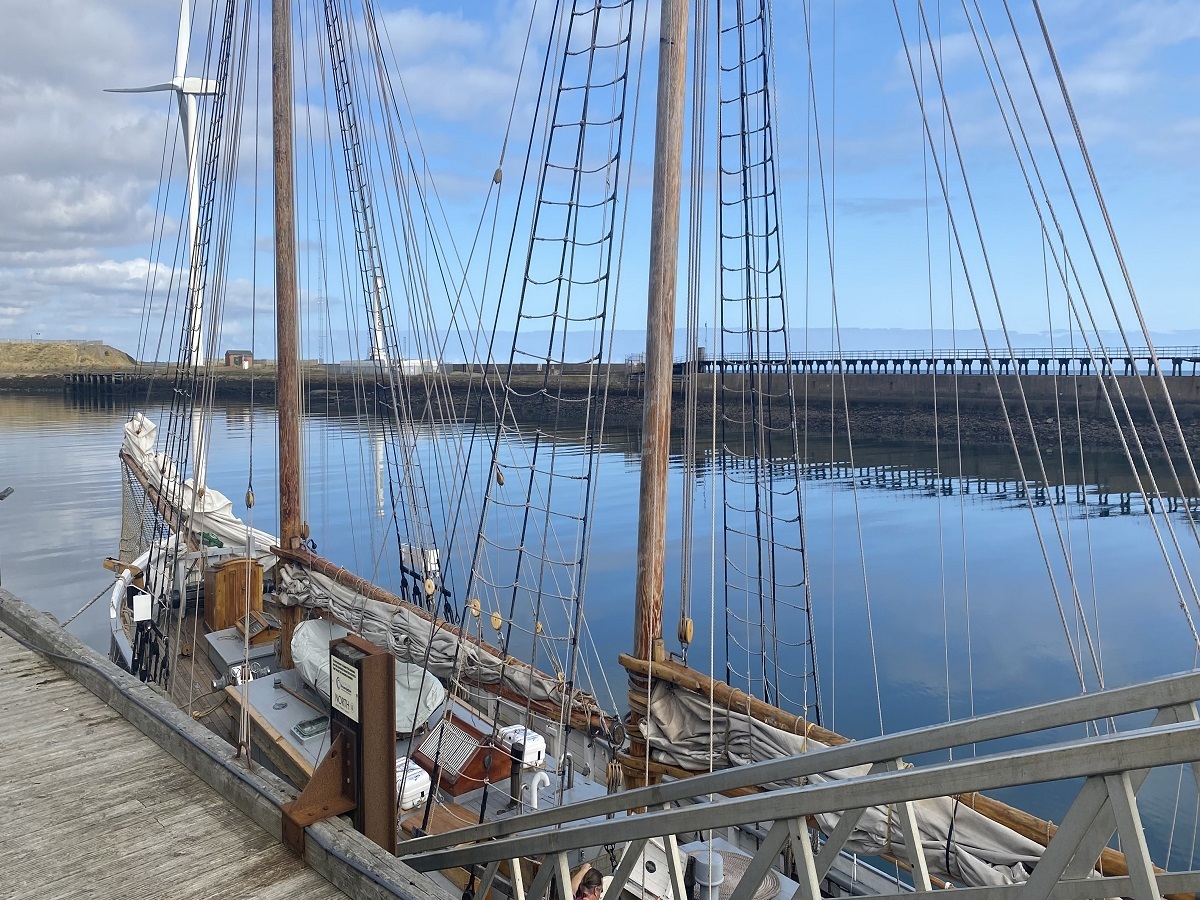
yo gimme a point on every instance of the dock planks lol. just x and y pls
(92, 808)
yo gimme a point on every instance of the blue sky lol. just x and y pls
(80, 168)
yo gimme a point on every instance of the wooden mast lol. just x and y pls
(660, 330)
(660, 350)
(287, 391)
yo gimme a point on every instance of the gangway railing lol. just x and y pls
(1112, 768)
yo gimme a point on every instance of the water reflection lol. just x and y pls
(1109, 493)
(46, 437)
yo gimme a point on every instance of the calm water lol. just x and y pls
(957, 613)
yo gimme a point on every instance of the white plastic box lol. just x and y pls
(535, 744)
(412, 786)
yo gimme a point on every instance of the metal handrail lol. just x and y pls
(1151, 747)
(1112, 767)
(1171, 690)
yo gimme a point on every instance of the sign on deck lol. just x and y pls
(343, 688)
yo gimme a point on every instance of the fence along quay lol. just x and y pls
(1175, 361)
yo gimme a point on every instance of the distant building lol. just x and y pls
(406, 367)
(239, 359)
(417, 366)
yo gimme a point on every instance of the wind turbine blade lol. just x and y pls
(165, 86)
(185, 34)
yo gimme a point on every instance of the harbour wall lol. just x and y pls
(974, 393)
(962, 407)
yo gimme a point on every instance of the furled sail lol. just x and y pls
(961, 845)
(202, 512)
(411, 638)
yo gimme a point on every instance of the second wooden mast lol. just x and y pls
(287, 328)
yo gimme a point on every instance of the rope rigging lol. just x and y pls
(529, 566)
(1066, 269)
(530, 559)
(409, 510)
(189, 415)
(765, 582)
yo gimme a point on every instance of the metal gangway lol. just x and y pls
(1110, 769)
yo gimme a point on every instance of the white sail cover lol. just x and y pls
(960, 845)
(413, 638)
(207, 511)
(418, 694)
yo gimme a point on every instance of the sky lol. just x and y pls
(80, 168)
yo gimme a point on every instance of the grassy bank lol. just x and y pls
(50, 358)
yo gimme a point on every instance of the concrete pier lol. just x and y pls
(886, 396)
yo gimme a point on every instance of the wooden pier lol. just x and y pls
(94, 808)
(110, 791)
(98, 382)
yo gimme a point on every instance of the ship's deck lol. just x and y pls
(191, 686)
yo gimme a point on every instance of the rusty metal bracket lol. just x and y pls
(325, 795)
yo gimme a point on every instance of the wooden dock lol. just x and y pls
(109, 790)
(94, 808)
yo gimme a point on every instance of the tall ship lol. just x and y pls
(452, 675)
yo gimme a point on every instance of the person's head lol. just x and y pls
(589, 888)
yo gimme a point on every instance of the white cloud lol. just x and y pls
(80, 168)
(71, 211)
(109, 276)
(67, 297)
(457, 69)
(1116, 60)
(79, 165)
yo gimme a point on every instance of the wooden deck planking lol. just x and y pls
(192, 678)
(95, 809)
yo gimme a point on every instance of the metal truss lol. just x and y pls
(1111, 769)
